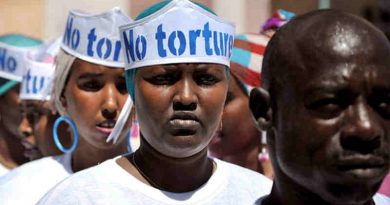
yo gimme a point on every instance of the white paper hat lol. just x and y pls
(95, 37)
(12, 61)
(39, 70)
(180, 32)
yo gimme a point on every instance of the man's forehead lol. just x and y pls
(340, 39)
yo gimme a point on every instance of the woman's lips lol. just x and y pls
(104, 130)
(32, 153)
(184, 124)
(184, 121)
(27, 144)
(106, 126)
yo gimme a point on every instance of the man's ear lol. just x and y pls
(259, 104)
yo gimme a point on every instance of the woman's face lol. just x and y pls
(179, 106)
(41, 120)
(93, 97)
(238, 131)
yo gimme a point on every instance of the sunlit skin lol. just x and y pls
(329, 122)
(28, 140)
(179, 107)
(11, 149)
(93, 98)
(38, 122)
(238, 141)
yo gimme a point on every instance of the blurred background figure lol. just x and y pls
(88, 91)
(12, 49)
(38, 115)
(238, 141)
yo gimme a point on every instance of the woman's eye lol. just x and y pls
(33, 117)
(206, 79)
(121, 86)
(91, 85)
(163, 79)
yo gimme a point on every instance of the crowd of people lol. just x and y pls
(174, 107)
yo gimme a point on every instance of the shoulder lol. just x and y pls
(31, 180)
(243, 178)
(381, 199)
(82, 184)
(32, 169)
(3, 170)
(235, 171)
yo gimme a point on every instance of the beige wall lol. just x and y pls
(56, 12)
(302, 7)
(21, 16)
(46, 18)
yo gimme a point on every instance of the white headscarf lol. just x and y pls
(63, 63)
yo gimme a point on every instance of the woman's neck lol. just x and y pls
(11, 149)
(172, 174)
(86, 155)
(246, 157)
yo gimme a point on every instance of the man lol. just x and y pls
(325, 104)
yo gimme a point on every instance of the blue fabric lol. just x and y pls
(19, 40)
(240, 56)
(6, 85)
(154, 8)
(130, 77)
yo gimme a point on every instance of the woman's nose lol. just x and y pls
(185, 97)
(25, 128)
(110, 102)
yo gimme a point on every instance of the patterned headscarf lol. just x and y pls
(277, 20)
(247, 58)
(248, 51)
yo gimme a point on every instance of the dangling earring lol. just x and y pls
(133, 140)
(75, 134)
(263, 155)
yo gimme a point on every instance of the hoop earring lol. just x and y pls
(75, 133)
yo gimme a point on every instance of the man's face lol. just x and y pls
(332, 126)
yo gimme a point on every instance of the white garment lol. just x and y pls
(379, 199)
(28, 183)
(108, 183)
(3, 170)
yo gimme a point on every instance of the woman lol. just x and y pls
(12, 49)
(38, 116)
(89, 92)
(238, 141)
(178, 96)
